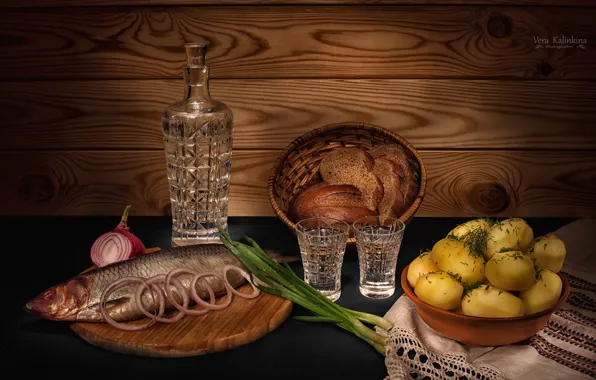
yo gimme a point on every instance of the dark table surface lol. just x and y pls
(47, 250)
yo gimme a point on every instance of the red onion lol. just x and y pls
(125, 281)
(116, 245)
(199, 301)
(243, 273)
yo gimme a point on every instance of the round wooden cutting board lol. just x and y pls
(244, 321)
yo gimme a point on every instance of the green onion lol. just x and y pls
(281, 281)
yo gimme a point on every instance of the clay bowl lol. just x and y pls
(476, 331)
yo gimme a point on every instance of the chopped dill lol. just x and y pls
(487, 287)
(456, 277)
(500, 291)
(505, 249)
(517, 255)
(491, 222)
(470, 287)
(475, 240)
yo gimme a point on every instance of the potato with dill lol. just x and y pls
(543, 294)
(549, 252)
(512, 234)
(420, 266)
(491, 302)
(513, 271)
(454, 256)
(471, 226)
(439, 289)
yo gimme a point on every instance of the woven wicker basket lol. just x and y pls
(299, 163)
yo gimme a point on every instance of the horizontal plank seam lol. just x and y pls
(285, 5)
(267, 150)
(470, 78)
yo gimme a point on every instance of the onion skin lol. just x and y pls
(128, 247)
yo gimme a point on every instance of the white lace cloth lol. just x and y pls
(564, 349)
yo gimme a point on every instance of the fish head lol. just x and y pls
(61, 302)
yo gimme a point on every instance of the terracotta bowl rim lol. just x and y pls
(410, 293)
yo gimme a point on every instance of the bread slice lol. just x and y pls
(393, 198)
(406, 167)
(354, 166)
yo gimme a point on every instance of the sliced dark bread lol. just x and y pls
(407, 168)
(354, 166)
(393, 198)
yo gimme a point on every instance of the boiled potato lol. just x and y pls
(464, 229)
(491, 302)
(549, 252)
(420, 266)
(512, 234)
(439, 289)
(454, 256)
(543, 294)
(513, 271)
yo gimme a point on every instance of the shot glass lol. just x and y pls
(378, 241)
(322, 244)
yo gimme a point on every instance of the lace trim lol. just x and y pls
(407, 358)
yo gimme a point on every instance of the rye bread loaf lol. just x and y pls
(353, 166)
(343, 202)
(406, 166)
(393, 198)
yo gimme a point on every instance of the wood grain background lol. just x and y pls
(504, 128)
(296, 42)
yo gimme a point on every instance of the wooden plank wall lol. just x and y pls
(503, 126)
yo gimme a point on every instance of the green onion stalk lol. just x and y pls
(280, 280)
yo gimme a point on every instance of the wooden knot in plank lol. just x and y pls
(167, 209)
(545, 68)
(489, 198)
(36, 188)
(498, 26)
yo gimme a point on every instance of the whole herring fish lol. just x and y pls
(77, 299)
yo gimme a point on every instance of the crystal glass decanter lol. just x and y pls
(197, 135)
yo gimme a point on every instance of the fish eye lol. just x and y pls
(49, 295)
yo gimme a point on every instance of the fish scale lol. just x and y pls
(120, 303)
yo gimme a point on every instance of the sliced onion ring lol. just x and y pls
(259, 282)
(244, 274)
(124, 281)
(211, 305)
(151, 281)
(183, 308)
